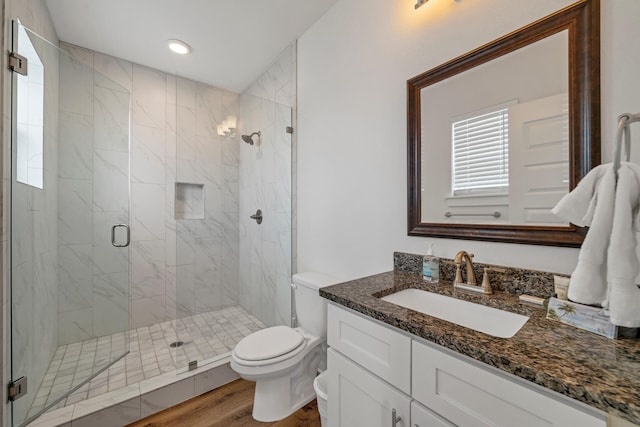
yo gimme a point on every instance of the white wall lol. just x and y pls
(352, 70)
(620, 67)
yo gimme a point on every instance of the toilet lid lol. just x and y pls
(268, 343)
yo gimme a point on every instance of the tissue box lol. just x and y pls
(592, 319)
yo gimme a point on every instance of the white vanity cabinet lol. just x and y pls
(376, 369)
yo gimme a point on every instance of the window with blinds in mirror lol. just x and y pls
(480, 153)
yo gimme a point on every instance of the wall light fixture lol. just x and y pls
(420, 3)
(227, 127)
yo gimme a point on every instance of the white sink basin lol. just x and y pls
(488, 320)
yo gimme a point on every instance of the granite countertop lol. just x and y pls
(598, 371)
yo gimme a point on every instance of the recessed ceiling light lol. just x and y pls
(178, 46)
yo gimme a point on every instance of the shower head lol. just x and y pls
(249, 138)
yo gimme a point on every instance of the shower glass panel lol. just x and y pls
(69, 225)
(232, 276)
(265, 171)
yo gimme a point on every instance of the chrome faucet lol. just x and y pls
(471, 277)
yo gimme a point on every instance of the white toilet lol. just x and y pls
(284, 361)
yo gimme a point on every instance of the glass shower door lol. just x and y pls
(69, 226)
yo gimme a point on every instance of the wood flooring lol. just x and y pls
(227, 406)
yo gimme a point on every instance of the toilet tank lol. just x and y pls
(311, 308)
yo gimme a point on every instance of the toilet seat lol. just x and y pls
(269, 345)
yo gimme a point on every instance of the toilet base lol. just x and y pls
(270, 402)
(280, 394)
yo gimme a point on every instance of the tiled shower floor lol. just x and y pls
(205, 336)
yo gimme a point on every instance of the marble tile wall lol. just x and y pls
(205, 259)
(93, 181)
(177, 267)
(278, 82)
(150, 126)
(266, 183)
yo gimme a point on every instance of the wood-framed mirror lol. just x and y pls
(497, 136)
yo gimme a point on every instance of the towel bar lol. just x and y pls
(495, 214)
(624, 120)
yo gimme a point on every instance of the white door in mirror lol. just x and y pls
(538, 159)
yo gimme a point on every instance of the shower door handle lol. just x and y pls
(113, 236)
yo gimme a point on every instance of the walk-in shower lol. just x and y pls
(139, 235)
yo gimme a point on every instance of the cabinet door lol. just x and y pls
(356, 397)
(470, 395)
(423, 417)
(378, 348)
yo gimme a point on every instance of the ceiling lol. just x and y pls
(232, 41)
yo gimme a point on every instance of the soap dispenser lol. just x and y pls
(430, 266)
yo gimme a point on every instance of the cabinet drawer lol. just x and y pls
(379, 349)
(424, 417)
(469, 395)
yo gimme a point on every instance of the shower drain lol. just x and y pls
(176, 344)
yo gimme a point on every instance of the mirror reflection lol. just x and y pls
(495, 139)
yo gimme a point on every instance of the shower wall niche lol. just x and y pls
(189, 201)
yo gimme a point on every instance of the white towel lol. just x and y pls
(578, 206)
(591, 204)
(623, 259)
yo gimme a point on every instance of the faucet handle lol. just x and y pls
(458, 273)
(486, 283)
